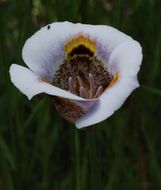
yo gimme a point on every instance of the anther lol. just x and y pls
(71, 85)
(80, 81)
(91, 86)
(99, 91)
(82, 92)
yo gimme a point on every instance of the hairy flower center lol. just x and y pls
(82, 73)
(83, 76)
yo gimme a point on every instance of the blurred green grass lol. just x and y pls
(39, 150)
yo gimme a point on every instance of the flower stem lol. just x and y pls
(77, 158)
(93, 160)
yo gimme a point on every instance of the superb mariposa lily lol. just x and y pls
(88, 70)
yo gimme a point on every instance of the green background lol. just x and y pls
(41, 151)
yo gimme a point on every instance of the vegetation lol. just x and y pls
(41, 151)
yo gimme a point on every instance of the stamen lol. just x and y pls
(99, 91)
(82, 92)
(80, 81)
(83, 77)
(71, 85)
(91, 86)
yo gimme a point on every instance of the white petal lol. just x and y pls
(126, 60)
(30, 84)
(107, 104)
(44, 51)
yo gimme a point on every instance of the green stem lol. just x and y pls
(77, 158)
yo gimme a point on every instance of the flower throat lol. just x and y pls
(82, 73)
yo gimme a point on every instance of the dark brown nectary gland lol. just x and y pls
(82, 66)
(81, 50)
(68, 109)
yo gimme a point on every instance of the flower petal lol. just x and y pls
(71, 110)
(44, 51)
(126, 60)
(31, 84)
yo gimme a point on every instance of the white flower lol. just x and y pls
(88, 70)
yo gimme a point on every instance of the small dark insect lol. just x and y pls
(48, 27)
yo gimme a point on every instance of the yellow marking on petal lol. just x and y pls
(43, 80)
(115, 78)
(80, 45)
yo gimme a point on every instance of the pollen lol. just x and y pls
(80, 46)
